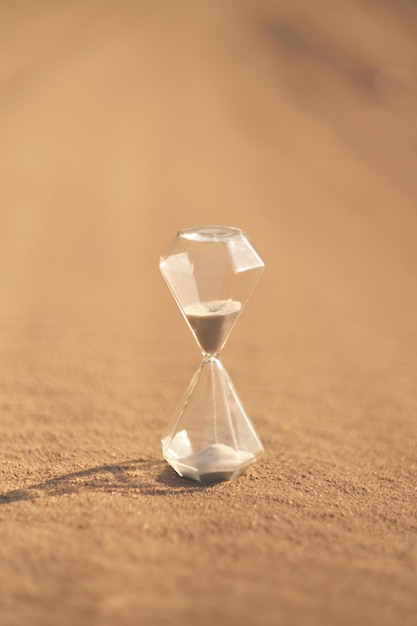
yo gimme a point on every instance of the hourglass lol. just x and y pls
(211, 272)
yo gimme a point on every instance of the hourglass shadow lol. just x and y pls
(134, 476)
(137, 476)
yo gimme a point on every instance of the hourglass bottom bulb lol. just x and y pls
(211, 438)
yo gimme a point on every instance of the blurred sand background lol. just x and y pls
(121, 122)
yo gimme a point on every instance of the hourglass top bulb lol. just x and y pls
(211, 271)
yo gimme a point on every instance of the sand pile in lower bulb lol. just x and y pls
(218, 461)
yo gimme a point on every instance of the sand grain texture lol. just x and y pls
(121, 122)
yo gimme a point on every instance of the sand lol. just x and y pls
(120, 123)
(215, 463)
(211, 322)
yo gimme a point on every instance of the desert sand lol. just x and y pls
(120, 123)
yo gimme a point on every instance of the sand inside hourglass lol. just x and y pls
(211, 322)
(215, 463)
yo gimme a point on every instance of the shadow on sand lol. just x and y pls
(133, 477)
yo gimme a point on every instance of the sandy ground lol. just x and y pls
(121, 122)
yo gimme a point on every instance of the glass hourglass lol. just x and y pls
(211, 271)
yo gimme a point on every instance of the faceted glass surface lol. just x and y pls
(211, 438)
(211, 271)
